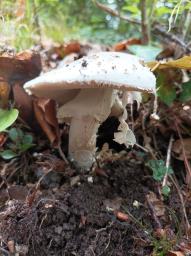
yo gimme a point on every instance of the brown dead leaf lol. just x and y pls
(177, 148)
(168, 51)
(157, 204)
(175, 253)
(66, 49)
(71, 47)
(45, 112)
(123, 45)
(21, 67)
(23, 102)
(183, 63)
(15, 70)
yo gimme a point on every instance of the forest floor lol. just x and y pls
(117, 208)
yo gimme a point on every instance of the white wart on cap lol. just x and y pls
(86, 90)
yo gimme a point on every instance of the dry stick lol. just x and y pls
(160, 30)
(187, 164)
(30, 199)
(152, 209)
(168, 160)
(144, 24)
(62, 154)
(115, 13)
(187, 224)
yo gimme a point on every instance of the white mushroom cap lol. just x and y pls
(104, 69)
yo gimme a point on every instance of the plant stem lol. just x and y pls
(144, 22)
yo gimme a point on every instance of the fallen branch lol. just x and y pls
(186, 162)
(115, 13)
(157, 29)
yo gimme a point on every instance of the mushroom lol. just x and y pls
(86, 91)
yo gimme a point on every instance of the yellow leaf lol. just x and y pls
(183, 63)
(4, 93)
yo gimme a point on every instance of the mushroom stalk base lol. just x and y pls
(82, 140)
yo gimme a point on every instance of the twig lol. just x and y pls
(186, 162)
(155, 218)
(4, 170)
(168, 161)
(160, 30)
(115, 13)
(141, 147)
(62, 154)
(187, 224)
(144, 24)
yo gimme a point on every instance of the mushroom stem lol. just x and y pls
(82, 140)
(86, 111)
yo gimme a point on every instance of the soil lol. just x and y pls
(80, 215)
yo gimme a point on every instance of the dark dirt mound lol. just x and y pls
(78, 220)
(82, 218)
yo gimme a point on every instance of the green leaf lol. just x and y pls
(27, 139)
(25, 147)
(147, 52)
(7, 118)
(159, 169)
(166, 190)
(8, 154)
(131, 8)
(185, 95)
(13, 134)
(163, 10)
(166, 90)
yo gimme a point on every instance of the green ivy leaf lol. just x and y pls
(7, 118)
(166, 190)
(185, 95)
(8, 154)
(147, 52)
(159, 169)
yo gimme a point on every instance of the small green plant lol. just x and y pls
(161, 246)
(7, 118)
(19, 143)
(159, 171)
